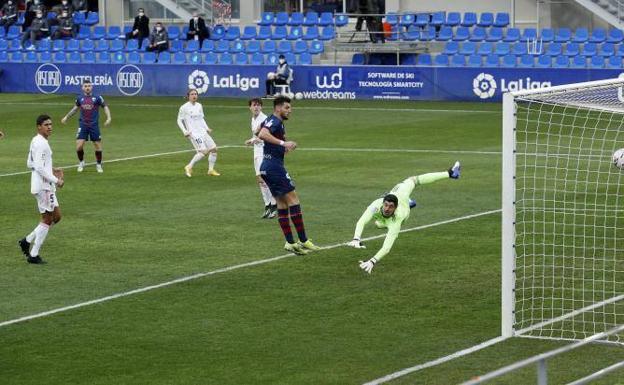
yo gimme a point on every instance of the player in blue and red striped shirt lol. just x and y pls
(89, 128)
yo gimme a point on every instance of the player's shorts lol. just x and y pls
(257, 162)
(276, 178)
(92, 134)
(46, 201)
(403, 190)
(202, 143)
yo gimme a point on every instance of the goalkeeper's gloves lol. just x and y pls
(368, 265)
(356, 243)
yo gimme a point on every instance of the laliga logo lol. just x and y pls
(48, 78)
(199, 80)
(129, 80)
(334, 81)
(484, 85)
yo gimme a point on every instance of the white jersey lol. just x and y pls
(259, 144)
(191, 119)
(40, 162)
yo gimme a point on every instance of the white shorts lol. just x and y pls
(202, 143)
(257, 163)
(46, 201)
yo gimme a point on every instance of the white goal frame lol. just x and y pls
(509, 171)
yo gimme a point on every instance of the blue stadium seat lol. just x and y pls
(598, 35)
(279, 33)
(441, 60)
(178, 45)
(45, 57)
(264, 33)
(222, 46)
(20, 19)
(281, 18)
(232, 33)
(561, 61)
(512, 35)
(579, 62)
(458, 61)
(271, 59)
(253, 46)
(192, 46)
(358, 59)
(211, 58)
(179, 58)
(311, 33)
(2, 34)
(88, 57)
(554, 49)
(13, 33)
(597, 62)
(311, 18)
(589, 49)
(257, 59)
(118, 58)
(114, 31)
(296, 19)
(502, 49)
(581, 35)
(73, 45)
(266, 18)
(620, 50)
(486, 19)
(462, 34)
(453, 19)
(509, 61)
(495, 34)
(16, 57)
(92, 18)
(4, 56)
(134, 58)
(126, 30)
(502, 20)
(470, 19)
(240, 58)
(544, 61)
(446, 34)
(424, 59)
(572, 49)
(295, 33)
(485, 48)
(526, 61)
(163, 58)
(327, 18)
(451, 48)
(132, 45)
(468, 48)
(226, 59)
(529, 34)
(392, 18)
(328, 33)
(84, 32)
(209, 46)
(58, 45)
(237, 46)
(4, 45)
(438, 19)
(519, 49)
(607, 49)
(74, 57)
(269, 46)
(478, 34)
(300, 47)
(422, 20)
(99, 32)
(428, 34)
(563, 35)
(218, 32)
(249, 33)
(44, 45)
(195, 58)
(79, 17)
(304, 59)
(407, 59)
(474, 61)
(407, 20)
(15, 45)
(412, 33)
(615, 36)
(614, 62)
(547, 35)
(316, 47)
(101, 45)
(30, 57)
(341, 20)
(284, 47)
(116, 46)
(59, 57)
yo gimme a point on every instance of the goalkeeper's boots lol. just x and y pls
(308, 245)
(213, 173)
(412, 204)
(25, 246)
(295, 248)
(455, 171)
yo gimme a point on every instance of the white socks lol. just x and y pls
(212, 159)
(266, 195)
(40, 234)
(198, 156)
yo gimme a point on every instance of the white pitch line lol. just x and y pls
(222, 270)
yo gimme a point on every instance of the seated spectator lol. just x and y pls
(140, 28)
(282, 75)
(159, 39)
(66, 27)
(9, 15)
(65, 6)
(197, 29)
(39, 28)
(31, 10)
(80, 5)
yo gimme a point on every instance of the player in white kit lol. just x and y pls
(257, 118)
(43, 182)
(191, 122)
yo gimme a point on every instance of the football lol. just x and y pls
(618, 158)
(298, 96)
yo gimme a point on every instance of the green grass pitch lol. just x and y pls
(316, 319)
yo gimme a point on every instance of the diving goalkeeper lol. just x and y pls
(391, 210)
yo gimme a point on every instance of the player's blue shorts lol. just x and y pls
(92, 134)
(276, 177)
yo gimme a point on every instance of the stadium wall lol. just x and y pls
(314, 82)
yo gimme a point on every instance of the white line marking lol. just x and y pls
(395, 150)
(172, 105)
(438, 361)
(218, 271)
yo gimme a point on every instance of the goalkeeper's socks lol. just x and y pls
(297, 219)
(282, 217)
(98, 157)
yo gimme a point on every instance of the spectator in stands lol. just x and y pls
(39, 28)
(197, 29)
(159, 39)
(140, 29)
(66, 6)
(66, 27)
(373, 23)
(282, 75)
(9, 15)
(80, 5)
(31, 11)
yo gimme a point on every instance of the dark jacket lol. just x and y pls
(159, 37)
(9, 11)
(142, 24)
(66, 24)
(80, 5)
(40, 25)
(199, 27)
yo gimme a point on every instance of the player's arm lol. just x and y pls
(391, 236)
(267, 137)
(206, 127)
(108, 115)
(366, 217)
(38, 165)
(182, 122)
(69, 114)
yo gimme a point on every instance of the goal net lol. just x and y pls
(563, 211)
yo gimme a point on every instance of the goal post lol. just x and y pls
(563, 211)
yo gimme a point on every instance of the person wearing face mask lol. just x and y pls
(140, 28)
(197, 29)
(9, 15)
(66, 27)
(66, 5)
(32, 7)
(159, 39)
(282, 75)
(39, 28)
